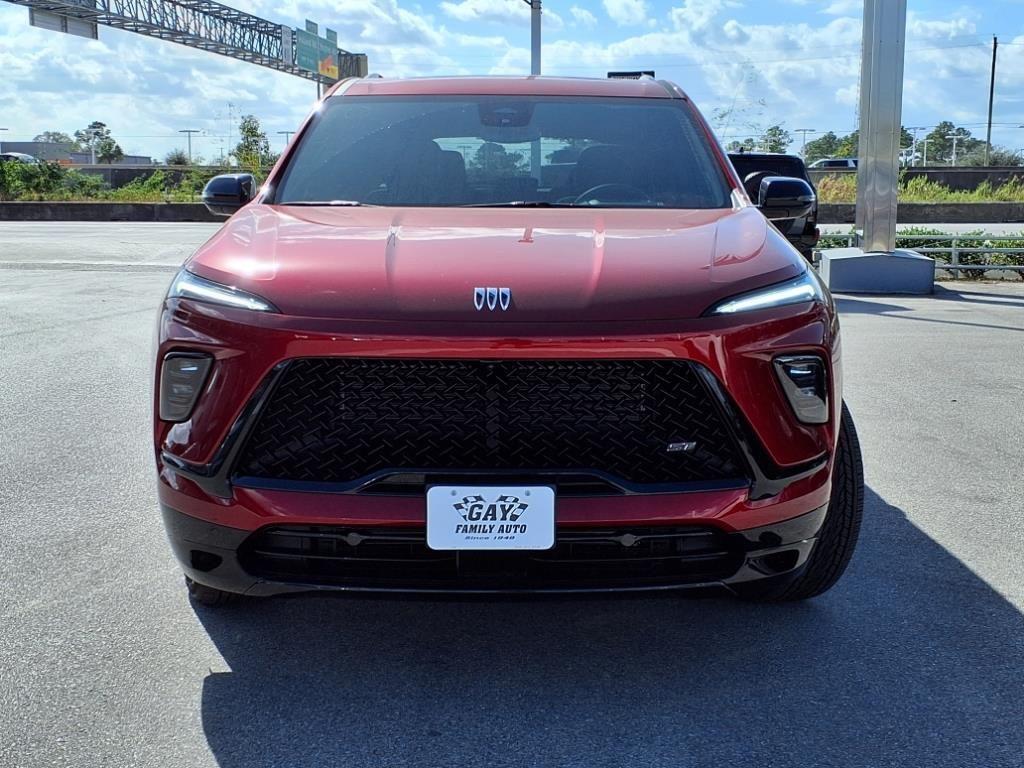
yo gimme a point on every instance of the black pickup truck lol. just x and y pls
(754, 166)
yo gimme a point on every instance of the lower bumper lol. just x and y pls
(222, 557)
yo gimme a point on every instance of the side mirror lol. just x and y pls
(783, 197)
(225, 194)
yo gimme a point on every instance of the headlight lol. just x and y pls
(804, 288)
(189, 286)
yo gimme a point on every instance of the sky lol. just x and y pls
(747, 64)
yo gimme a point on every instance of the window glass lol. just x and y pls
(448, 151)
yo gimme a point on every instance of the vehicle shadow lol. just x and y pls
(911, 660)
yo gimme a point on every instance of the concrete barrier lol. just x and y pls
(97, 211)
(932, 213)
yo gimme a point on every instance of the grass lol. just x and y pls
(843, 189)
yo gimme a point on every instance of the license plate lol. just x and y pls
(490, 517)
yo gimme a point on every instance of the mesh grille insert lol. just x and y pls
(338, 420)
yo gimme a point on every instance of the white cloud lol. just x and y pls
(626, 12)
(498, 12)
(583, 17)
(844, 7)
(801, 69)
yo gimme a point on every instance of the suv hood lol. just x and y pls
(560, 265)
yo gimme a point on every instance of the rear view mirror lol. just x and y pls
(225, 194)
(784, 197)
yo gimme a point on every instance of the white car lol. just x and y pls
(844, 162)
(17, 157)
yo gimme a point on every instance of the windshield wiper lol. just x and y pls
(327, 203)
(521, 204)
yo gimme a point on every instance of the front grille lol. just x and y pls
(341, 420)
(398, 558)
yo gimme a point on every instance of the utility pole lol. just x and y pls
(991, 98)
(954, 137)
(924, 163)
(95, 133)
(189, 131)
(804, 132)
(287, 136)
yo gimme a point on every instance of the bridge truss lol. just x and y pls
(202, 24)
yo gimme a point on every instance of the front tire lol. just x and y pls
(208, 596)
(838, 535)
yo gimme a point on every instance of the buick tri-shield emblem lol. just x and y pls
(492, 298)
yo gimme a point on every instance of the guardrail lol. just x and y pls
(953, 251)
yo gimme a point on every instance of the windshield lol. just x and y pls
(783, 165)
(486, 150)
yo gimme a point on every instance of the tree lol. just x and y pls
(849, 145)
(176, 157)
(108, 151)
(940, 146)
(999, 156)
(747, 145)
(570, 152)
(253, 148)
(822, 147)
(56, 137)
(493, 160)
(96, 138)
(776, 139)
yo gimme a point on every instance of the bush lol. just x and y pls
(29, 181)
(838, 189)
(843, 189)
(145, 189)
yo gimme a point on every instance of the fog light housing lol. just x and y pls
(182, 377)
(804, 380)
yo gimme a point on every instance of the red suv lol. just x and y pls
(504, 335)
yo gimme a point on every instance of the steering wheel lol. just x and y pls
(633, 194)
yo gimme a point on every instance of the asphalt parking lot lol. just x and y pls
(916, 658)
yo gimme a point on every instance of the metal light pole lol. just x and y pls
(913, 150)
(95, 133)
(877, 266)
(189, 132)
(535, 12)
(881, 99)
(954, 137)
(804, 132)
